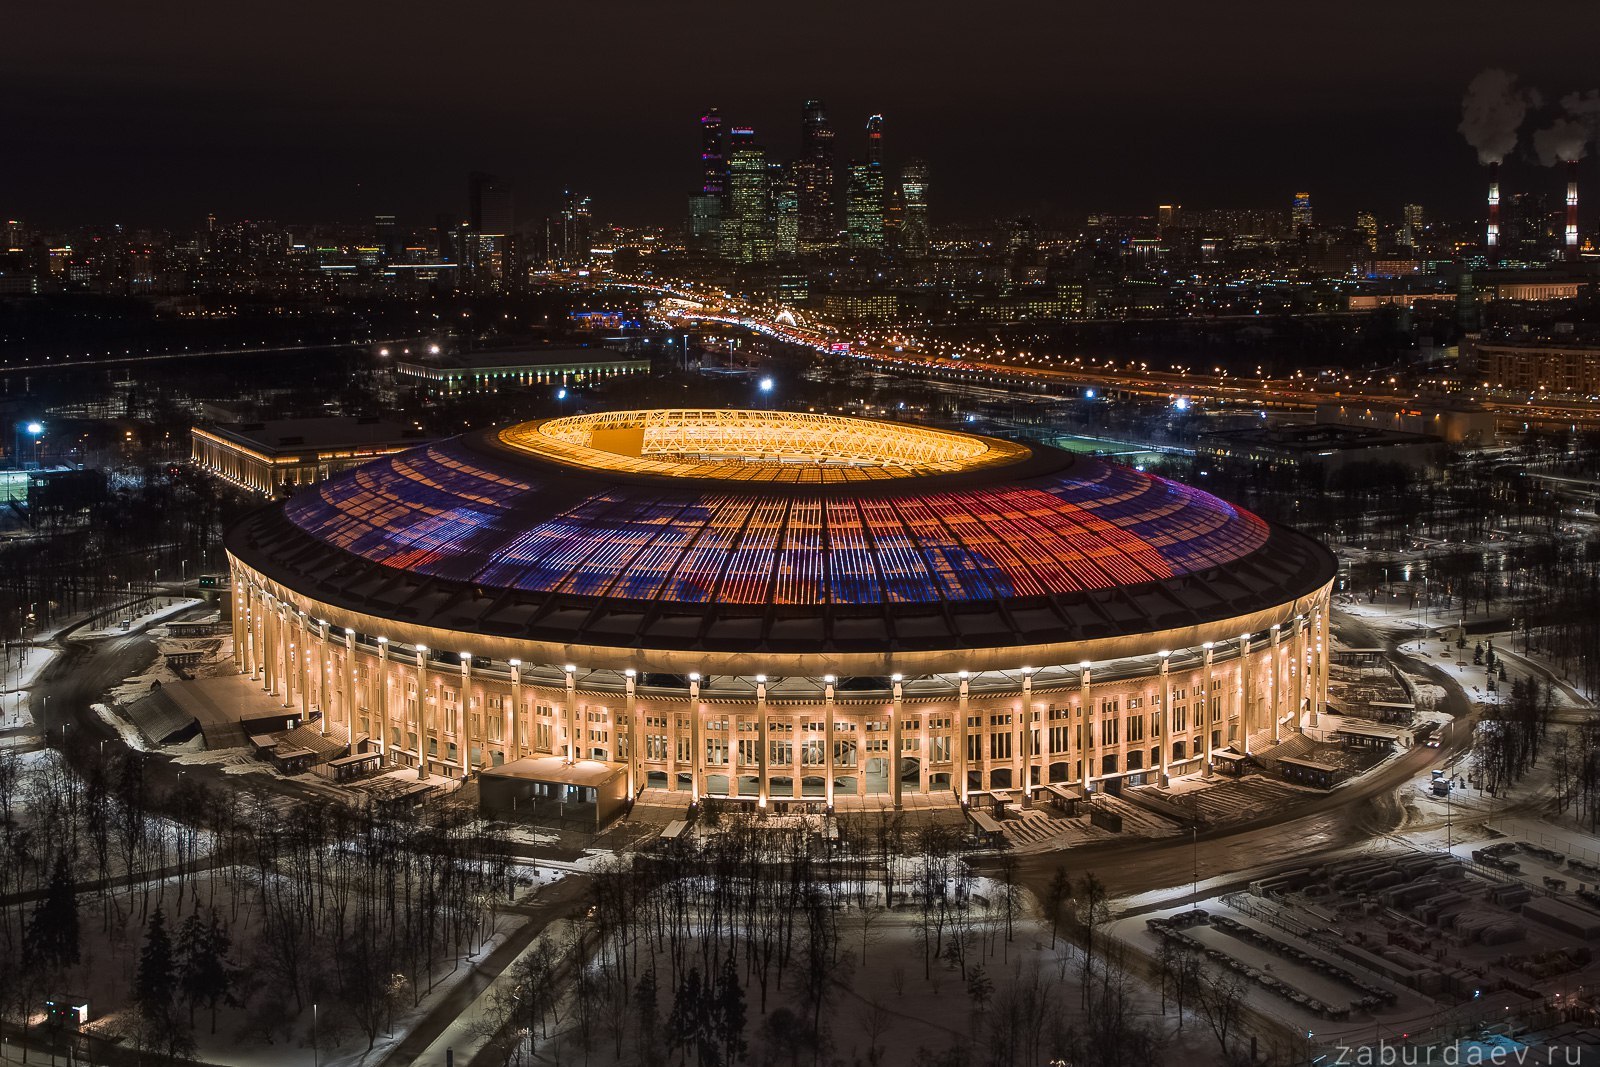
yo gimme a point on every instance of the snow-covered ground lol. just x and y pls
(126, 730)
(116, 624)
(20, 667)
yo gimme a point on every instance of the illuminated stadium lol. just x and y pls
(782, 607)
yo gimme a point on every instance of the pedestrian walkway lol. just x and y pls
(456, 1024)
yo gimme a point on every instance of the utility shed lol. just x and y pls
(585, 794)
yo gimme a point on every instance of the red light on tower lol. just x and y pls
(1492, 238)
(1572, 209)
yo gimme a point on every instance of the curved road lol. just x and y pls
(1241, 852)
(80, 675)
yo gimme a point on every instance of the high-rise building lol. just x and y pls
(489, 200)
(388, 240)
(705, 222)
(713, 158)
(864, 200)
(707, 205)
(747, 235)
(574, 233)
(14, 237)
(863, 211)
(1300, 214)
(785, 210)
(915, 236)
(875, 140)
(1167, 217)
(487, 242)
(894, 214)
(1022, 251)
(813, 176)
(1367, 227)
(1411, 225)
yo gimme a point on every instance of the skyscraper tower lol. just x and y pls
(914, 232)
(813, 177)
(863, 221)
(1367, 227)
(747, 234)
(1411, 225)
(863, 211)
(785, 210)
(713, 164)
(1300, 214)
(706, 205)
(875, 140)
(489, 200)
(575, 237)
(487, 239)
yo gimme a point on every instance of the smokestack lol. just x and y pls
(1492, 238)
(1572, 210)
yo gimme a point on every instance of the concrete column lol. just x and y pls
(1023, 775)
(240, 620)
(422, 711)
(1205, 709)
(1244, 693)
(761, 754)
(290, 680)
(896, 717)
(630, 712)
(352, 692)
(511, 737)
(697, 744)
(962, 702)
(570, 712)
(1086, 696)
(1164, 730)
(796, 751)
(269, 649)
(828, 710)
(381, 695)
(1277, 686)
(303, 672)
(1047, 744)
(672, 739)
(465, 704)
(1324, 657)
(1299, 672)
(322, 674)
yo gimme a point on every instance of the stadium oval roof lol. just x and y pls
(743, 531)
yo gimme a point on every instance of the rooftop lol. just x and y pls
(325, 432)
(506, 358)
(584, 772)
(580, 531)
(1316, 438)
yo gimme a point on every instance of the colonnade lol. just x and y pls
(1093, 726)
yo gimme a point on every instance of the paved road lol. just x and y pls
(79, 676)
(552, 903)
(1243, 851)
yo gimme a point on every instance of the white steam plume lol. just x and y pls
(1562, 141)
(1492, 111)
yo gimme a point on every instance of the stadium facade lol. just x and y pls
(782, 607)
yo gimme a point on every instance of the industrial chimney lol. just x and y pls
(1492, 240)
(1572, 210)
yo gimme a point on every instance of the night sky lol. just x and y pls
(157, 112)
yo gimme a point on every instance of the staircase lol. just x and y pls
(1268, 754)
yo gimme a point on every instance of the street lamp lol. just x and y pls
(36, 431)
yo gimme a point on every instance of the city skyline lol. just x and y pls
(1097, 112)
